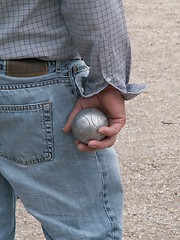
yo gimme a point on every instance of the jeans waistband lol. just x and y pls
(53, 65)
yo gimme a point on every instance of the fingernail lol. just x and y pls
(79, 147)
(100, 131)
(92, 146)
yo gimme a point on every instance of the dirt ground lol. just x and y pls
(149, 145)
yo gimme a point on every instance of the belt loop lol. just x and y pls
(58, 65)
(5, 66)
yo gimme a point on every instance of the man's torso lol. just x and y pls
(34, 29)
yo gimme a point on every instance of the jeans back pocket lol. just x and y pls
(26, 132)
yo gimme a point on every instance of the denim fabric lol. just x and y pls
(74, 195)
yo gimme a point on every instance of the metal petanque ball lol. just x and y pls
(86, 124)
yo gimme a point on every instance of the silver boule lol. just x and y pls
(86, 123)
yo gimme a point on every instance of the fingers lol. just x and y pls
(83, 147)
(96, 145)
(82, 103)
(113, 129)
(68, 125)
(106, 143)
(110, 133)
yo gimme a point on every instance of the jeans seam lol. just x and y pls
(33, 84)
(105, 199)
(47, 113)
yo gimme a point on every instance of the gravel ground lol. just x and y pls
(149, 145)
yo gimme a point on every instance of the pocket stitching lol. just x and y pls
(46, 123)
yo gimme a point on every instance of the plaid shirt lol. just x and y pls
(61, 29)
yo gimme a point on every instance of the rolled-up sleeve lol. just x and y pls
(99, 32)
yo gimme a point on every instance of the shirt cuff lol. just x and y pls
(89, 88)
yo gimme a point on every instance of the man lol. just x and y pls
(73, 189)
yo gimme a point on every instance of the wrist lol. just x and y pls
(111, 89)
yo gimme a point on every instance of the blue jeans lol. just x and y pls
(74, 195)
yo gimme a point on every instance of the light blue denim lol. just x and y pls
(74, 195)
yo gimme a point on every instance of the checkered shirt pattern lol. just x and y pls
(61, 29)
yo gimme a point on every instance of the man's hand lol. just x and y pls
(111, 102)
